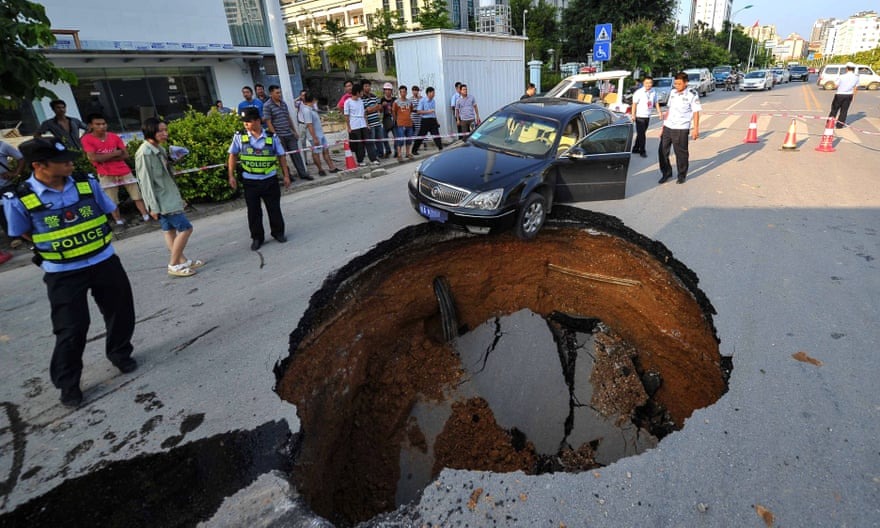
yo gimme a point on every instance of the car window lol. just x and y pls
(517, 133)
(596, 118)
(570, 135)
(831, 70)
(865, 71)
(610, 139)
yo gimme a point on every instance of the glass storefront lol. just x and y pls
(127, 96)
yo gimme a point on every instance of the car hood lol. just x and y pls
(478, 169)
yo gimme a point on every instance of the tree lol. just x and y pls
(541, 27)
(335, 29)
(343, 54)
(642, 45)
(434, 15)
(580, 18)
(23, 26)
(385, 23)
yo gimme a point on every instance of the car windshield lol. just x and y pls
(516, 133)
(778, 71)
(755, 75)
(693, 77)
(721, 69)
(663, 82)
(799, 68)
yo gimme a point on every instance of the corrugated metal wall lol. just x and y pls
(493, 67)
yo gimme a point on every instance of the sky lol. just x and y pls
(789, 16)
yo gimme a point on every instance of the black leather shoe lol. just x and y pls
(280, 238)
(680, 179)
(71, 398)
(127, 366)
(307, 177)
(255, 244)
(664, 179)
(642, 154)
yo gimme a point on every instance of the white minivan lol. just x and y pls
(700, 80)
(868, 78)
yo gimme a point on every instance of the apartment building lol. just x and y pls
(713, 13)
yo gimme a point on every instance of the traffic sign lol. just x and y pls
(603, 33)
(601, 51)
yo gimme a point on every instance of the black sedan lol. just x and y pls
(520, 161)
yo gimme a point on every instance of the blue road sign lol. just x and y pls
(603, 33)
(601, 51)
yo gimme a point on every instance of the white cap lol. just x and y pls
(850, 65)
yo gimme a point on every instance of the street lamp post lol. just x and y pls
(730, 24)
(524, 22)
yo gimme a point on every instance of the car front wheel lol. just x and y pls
(531, 217)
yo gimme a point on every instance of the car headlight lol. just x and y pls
(486, 200)
(414, 179)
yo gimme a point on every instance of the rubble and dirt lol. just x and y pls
(371, 346)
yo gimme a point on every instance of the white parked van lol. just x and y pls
(700, 80)
(868, 78)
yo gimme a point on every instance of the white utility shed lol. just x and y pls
(492, 65)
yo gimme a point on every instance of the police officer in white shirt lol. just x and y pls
(683, 107)
(847, 86)
(644, 103)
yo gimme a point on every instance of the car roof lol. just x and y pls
(558, 108)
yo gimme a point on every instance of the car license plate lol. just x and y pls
(430, 213)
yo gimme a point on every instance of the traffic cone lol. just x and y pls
(350, 162)
(790, 142)
(752, 134)
(827, 143)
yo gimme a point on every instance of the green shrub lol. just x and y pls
(207, 137)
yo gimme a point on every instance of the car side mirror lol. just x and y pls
(577, 153)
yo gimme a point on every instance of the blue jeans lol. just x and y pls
(403, 136)
(377, 135)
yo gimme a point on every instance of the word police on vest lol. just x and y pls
(79, 239)
(46, 150)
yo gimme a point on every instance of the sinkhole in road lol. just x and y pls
(438, 349)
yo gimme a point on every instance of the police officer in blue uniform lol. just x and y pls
(683, 108)
(261, 156)
(65, 219)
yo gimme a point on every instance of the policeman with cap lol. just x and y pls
(261, 156)
(65, 219)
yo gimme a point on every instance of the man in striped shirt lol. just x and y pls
(373, 108)
(276, 115)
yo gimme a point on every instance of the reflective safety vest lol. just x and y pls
(67, 234)
(258, 161)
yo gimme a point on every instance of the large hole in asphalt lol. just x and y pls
(439, 349)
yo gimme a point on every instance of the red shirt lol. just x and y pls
(110, 143)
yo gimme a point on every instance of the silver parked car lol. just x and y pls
(781, 75)
(757, 80)
(663, 85)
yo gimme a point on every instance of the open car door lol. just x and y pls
(597, 166)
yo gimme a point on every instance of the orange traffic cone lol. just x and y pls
(350, 162)
(827, 143)
(752, 134)
(790, 142)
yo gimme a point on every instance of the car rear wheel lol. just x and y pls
(874, 86)
(829, 86)
(531, 217)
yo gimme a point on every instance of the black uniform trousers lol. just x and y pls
(70, 316)
(840, 104)
(269, 191)
(429, 125)
(678, 141)
(641, 130)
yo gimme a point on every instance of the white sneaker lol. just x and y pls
(362, 164)
(376, 162)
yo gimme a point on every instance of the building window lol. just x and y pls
(127, 96)
(247, 23)
(414, 8)
(400, 10)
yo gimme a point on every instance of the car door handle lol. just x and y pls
(614, 167)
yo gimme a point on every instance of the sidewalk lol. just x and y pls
(135, 226)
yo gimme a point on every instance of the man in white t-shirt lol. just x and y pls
(356, 124)
(847, 86)
(684, 109)
(644, 103)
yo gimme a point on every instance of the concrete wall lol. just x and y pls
(493, 67)
(202, 21)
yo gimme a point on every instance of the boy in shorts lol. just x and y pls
(162, 196)
(315, 134)
(107, 153)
